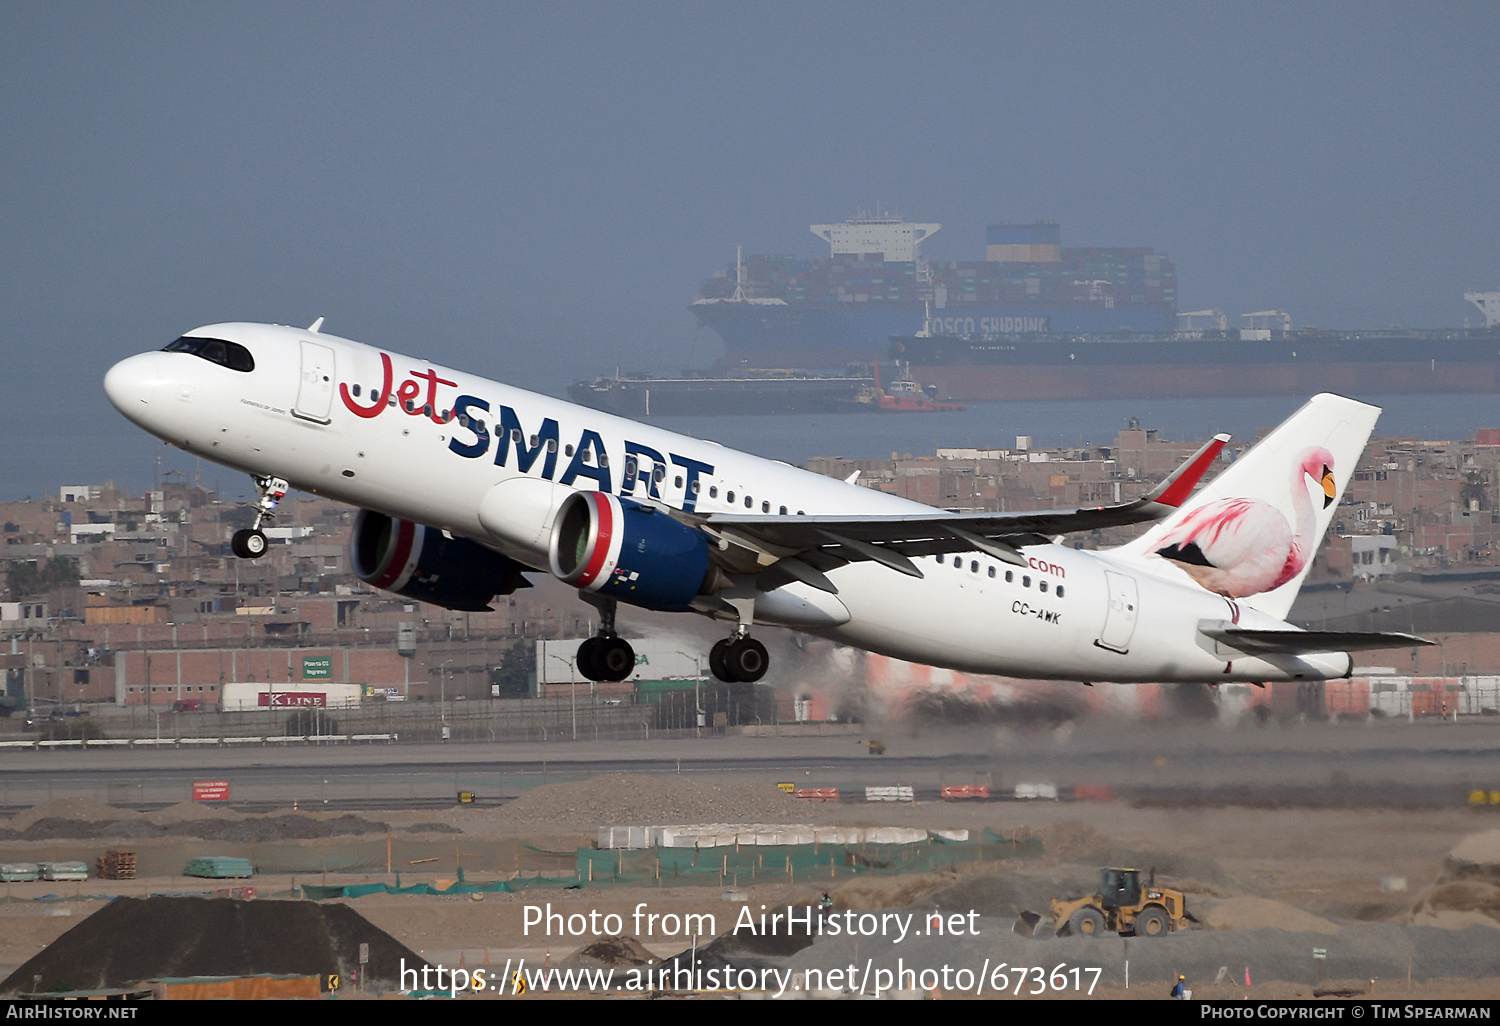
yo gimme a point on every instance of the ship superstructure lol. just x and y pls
(781, 310)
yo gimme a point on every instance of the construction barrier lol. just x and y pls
(818, 794)
(960, 792)
(1027, 791)
(1093, 793)
(899, 793)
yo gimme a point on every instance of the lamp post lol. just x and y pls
(697, 699)
(572, 690)
(443, 697)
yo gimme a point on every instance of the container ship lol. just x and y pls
(781, 311)
(1036, 320)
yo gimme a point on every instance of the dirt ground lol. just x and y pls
(1306, 872)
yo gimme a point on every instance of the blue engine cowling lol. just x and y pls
(422, 563)
(628, 551)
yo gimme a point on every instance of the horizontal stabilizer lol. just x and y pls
(1273, 642)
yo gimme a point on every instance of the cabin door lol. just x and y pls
(1120, 617)
(315, 390)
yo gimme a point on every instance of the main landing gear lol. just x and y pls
(739, 659)
(606, 656)
(251, 542)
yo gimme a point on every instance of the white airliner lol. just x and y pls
(465, 484)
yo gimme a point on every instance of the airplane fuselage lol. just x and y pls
(489, 462)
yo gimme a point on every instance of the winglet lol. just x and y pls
(316, 326)
(1179, 485)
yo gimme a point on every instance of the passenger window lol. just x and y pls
(551, 443)
(783, 511)
(992, 572)
(1042, 585)
(730, 497)
(1025, 580)
(958, 561)
(765, 507)
(1010, 575)
(974, 566)
(1059, 591)
(713, 491)
(749, 502)
(355, 390)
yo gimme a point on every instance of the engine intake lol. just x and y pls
(628, 551)
(423, 563)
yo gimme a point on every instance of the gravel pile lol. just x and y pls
(135, 939)
(1469, 888)
(79, 818)
(82, 809)
(628, 799)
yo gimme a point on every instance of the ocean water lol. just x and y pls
(795, 438)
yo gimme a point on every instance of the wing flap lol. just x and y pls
(940, 532)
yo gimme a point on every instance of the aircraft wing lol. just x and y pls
(825, 542)
(1282, 642)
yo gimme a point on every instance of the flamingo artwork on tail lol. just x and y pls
(1238, 546)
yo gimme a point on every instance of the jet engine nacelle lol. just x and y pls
(423, 563)
(627, 551)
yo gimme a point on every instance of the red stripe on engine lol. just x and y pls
(402, 553)
(604, 510)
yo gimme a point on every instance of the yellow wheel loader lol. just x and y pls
(1121, 906)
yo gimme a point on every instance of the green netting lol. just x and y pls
(319, 892)
(811, 862)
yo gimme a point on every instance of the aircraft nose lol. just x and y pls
(134, 383)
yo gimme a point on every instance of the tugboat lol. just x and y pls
(906, 396)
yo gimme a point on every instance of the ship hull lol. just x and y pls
(764, 336)
(673, 397)
(1350, 364)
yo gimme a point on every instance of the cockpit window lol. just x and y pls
(215, 350)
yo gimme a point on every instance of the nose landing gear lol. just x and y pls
(250, 543)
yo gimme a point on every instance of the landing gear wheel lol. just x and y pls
(248, 544)
(1152, 922)
(614, 659)
(588, 659)
(1086, 922)
(747, 660)
(717, 663)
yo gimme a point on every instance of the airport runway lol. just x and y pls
(1377, 764)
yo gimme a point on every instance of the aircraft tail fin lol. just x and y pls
(1251, 533)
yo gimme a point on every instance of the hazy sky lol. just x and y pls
(534, 190)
